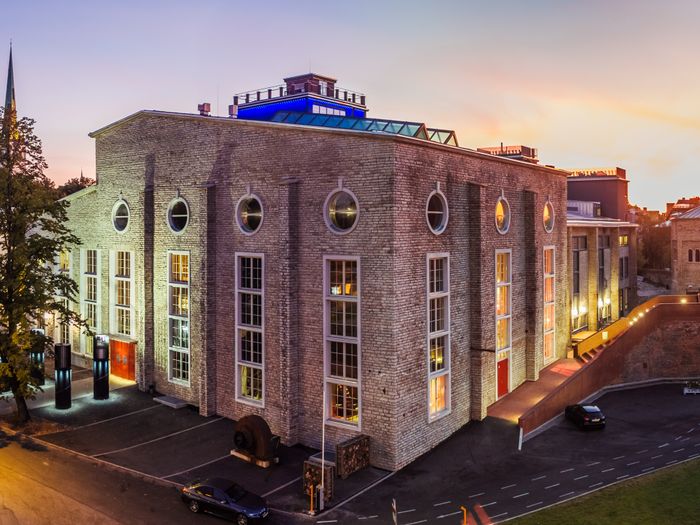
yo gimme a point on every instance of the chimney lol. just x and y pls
(204, 109)
(233, 111)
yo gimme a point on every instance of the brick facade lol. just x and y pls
(685, 245)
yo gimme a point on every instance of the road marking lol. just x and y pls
(568, 494)
(116, 417)
(488, 504)
(476, 495)
(368, 517)
(643, 451)
(552, 486)
(565, 470)
(508, 486)
(685, 439)
(632, 463)
(416, 522)
(157, 439)
(350, 498)
(595, 485)
(198, 466)
(538, 478)
(406, 511)
(593, 464)
(521, 495)
(623, 476)
(533, 505)
(697, 445)
(442, 503)
(618, 457)
(607, 469)
(448, 515)
(672, 462)
(662, 446)
(679, 450)
(677, 438)
(581, 477)
(656, 457)
(327, 521)
(498, 515)
(281, 487)
(694, 455)
(647, 469)
(689, 431)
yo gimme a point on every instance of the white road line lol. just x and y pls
(632, 463)
(656, 457)
(593, 464)
(607, 469)
(662, 446)
(623, 476)
(196, 467)
(442, 503)
(533, 505)
(595, 485)
(643, 451)
(647, 469)
(368, 517)
(565, 470)
(672, 462)
(693, 455)
(116, 417)
(581, 477)
(521, 495)
(618, 457)
(448, 515)
(538, 478)
(156, 439)
(488, 504)
(685, 439)
(406, 511)
(679, 450)
(677, 438)
(697, 445)
(552, 486)
(416, 522)
(689, 431)
(568, 494)
(327, 521)
(477, 495)
(369, 487)
(498, 515)
(508, 486)
(281, 487)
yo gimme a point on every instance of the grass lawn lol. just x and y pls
(671, 496)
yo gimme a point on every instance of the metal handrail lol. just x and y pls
(280, 90)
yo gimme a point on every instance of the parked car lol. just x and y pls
(226, 499)
(585, 416)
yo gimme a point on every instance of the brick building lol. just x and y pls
(311, 260)
(685, 252)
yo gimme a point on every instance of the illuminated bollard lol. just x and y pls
(63, 375)
(36, 355)
(100, 367)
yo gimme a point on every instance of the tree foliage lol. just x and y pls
(33, 233)
(73, 185)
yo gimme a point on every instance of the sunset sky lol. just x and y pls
(594, 83)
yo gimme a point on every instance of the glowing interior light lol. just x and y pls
(574, 312)
(607, 301)
(583, 310)
(600, 303)
(684, 300)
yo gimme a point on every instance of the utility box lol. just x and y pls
(63, 376)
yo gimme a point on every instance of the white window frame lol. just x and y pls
(189, 314)
(509, 348)
(58, 323)
(113, 293)
(327, 378)
(239, 363)
(446, 333)
(553, 276)
(84, 346)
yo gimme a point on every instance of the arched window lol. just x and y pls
(697, 255)
(436, 212)
(548, 217)
(502, 215)
(690, 255)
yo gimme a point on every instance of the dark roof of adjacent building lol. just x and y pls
(691, 214)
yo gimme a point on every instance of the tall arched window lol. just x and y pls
(690, 255)
(697, 255)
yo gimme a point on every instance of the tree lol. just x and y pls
(73, 185)
(32, 235)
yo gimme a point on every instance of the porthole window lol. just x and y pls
(178, 215)
(502, 215)
(436, 212)
(341, 211)
(120, 216)
(249, 214)
(548, 217)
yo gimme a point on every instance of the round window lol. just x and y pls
(548, 217)
(178, 215)
(341, 211)
(250, 214)
(436, 212)
(120, 216)
(502, 215)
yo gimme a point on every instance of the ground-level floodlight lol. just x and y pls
(100, 367)
(63, 376)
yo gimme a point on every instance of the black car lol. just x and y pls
(585, 416)
(226, 499)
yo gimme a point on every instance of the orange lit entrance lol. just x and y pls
(122, 360)
(502, 377)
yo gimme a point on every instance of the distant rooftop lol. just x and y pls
(692, 214)
(524, 153)
(620, 173)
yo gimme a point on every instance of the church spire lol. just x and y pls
(10, 91)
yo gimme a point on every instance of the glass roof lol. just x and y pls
(397, 127)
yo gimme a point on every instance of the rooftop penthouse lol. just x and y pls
(620, 173)
(524, 153)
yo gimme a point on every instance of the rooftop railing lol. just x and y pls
(281, 90)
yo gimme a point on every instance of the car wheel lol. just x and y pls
(242, 519)
(194, 506)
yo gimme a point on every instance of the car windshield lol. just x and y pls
(591, 409)
(236, 492)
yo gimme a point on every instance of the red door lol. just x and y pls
(502, 377)
(122, 359)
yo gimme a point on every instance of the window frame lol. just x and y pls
(445, 212)
(509, 316)
(239, 363)
(327, 338)
(244, 198)
(168, 219)
(327, 216)
(446, 332)
(545, 303)
(85, 340)
(115, 207)
(113, 280)
(170, 316)
(549, 205)
(508, 214)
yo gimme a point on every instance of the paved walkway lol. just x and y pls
(530, 393)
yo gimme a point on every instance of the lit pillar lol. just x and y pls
(36, 355)
(63, 376)
(100, 367)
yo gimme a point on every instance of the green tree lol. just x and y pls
(33, 233)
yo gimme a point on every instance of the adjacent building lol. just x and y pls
(685, 252)
(304, 262)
